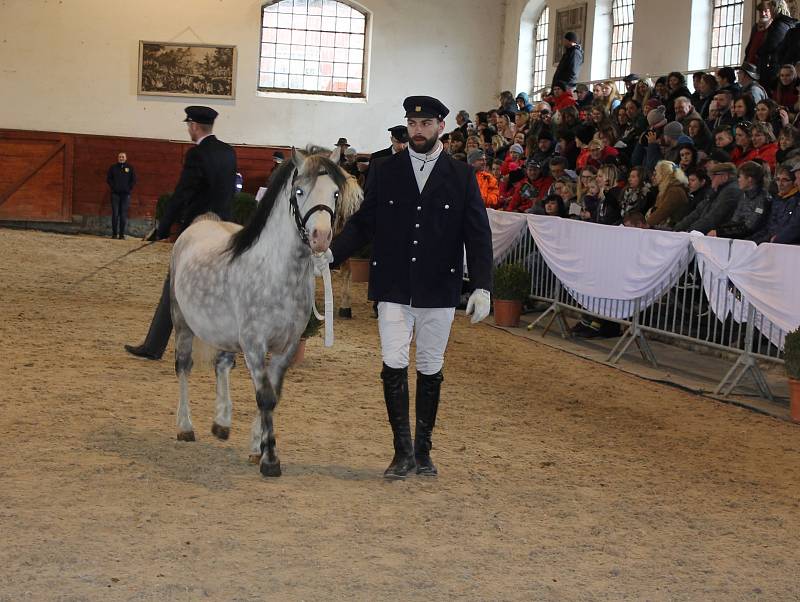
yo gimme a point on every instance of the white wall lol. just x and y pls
(71, 65)
(669, 35)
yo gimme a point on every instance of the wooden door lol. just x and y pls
(35, 176)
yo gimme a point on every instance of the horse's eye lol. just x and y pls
(336, 195)
(298, 192)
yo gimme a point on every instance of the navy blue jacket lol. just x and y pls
(418, 240)
(207, 183)
(121, 178)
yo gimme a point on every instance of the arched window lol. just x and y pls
(726, 32)
(621, 37)
(540, 52)
(313, 47)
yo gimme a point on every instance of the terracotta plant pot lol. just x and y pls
(359, 270)
(300, 354)
(507, 313)
(794, 399)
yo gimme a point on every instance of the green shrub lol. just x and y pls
(791, 354)
(512, 282)
(312, 328)
(244, 206)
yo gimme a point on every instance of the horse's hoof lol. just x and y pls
(221, 432)
(187, 436)
(271, 470)
(254, 459)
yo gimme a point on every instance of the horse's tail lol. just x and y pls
(203, 354)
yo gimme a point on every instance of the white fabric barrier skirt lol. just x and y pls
(606, 269)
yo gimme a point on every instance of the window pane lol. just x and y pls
(313, 45)
(726, 32)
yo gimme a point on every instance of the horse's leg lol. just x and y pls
(183, 368)
(221, 428)
(266, 399)
(345, 310)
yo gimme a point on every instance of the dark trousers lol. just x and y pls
(161, 325)
(119, 212)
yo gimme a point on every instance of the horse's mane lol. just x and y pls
(316, 163)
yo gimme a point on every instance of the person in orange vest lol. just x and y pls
(487, 183)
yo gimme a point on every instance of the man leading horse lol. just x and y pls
(421, 210)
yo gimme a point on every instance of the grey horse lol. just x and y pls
(251, 289)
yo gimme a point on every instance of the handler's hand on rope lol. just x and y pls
(479, 305)
(321, 262)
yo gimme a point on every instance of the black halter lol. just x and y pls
(294, 208)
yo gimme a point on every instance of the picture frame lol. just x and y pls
(572, 18)
(192, 70)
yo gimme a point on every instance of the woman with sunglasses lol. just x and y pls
(744, 150)
(764, 144)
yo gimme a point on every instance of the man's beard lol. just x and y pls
(423, 148)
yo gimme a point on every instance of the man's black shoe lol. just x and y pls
(141, 351)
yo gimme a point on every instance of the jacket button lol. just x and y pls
(391, 202)
(415, 242)
(452, 270)
(416, 225)
(374, 263)
(447, 206)
(419, 208)
(413, 259)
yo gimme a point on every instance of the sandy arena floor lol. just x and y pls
(561, 479)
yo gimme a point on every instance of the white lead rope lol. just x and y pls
(328, 318)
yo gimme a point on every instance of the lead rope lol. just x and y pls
(328, 317)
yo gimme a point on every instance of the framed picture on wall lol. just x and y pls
(569, 19)
(177, 69)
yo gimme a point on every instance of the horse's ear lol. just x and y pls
(336, 155)
(297, 159)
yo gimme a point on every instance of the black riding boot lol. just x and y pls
(395, 392)
(428, 389)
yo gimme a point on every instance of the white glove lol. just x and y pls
(321, 262)
(479, 305)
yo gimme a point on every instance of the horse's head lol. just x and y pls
(317, 185)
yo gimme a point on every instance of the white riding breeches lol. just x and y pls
(398, 324)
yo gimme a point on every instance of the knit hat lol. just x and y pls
(516, 148)
(584, 133)
(656, 116)
(571, 36)
(475, 155)
(673, 130)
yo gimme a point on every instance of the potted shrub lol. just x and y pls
(312, 329)
(359, 265)
(512, 285)
(244, 206)
(791, 359)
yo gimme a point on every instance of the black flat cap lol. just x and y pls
(342, 142)
(631, 77)
(425, 106)
(199, 114)
(399, 133)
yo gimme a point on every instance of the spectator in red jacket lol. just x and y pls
(531, 189)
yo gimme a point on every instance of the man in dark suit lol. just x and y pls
(206, 184)
(398, 135)
(421, 209)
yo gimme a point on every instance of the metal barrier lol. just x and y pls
(681, 310)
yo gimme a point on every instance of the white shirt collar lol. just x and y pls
(199, 140)
(431, 156)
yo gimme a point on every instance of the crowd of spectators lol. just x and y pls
(723, 160)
